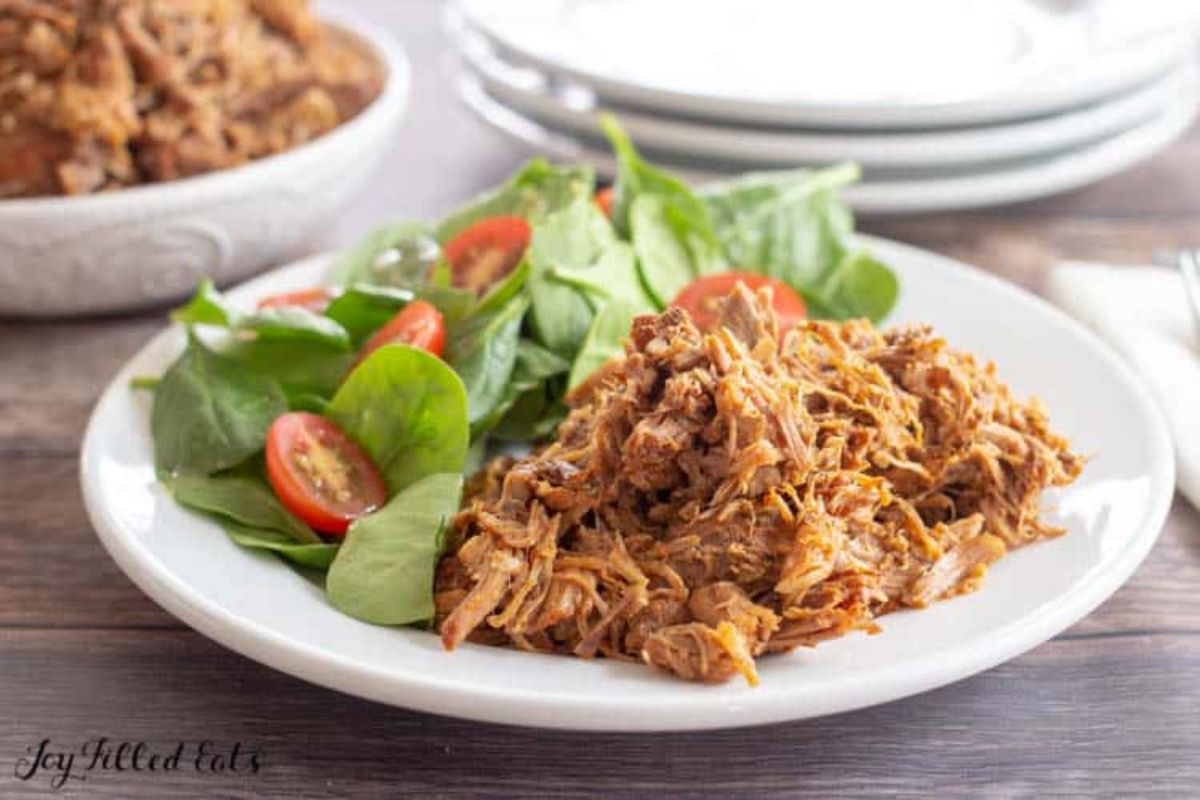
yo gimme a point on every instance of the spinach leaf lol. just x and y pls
(859, 286)
(788, 225)
(791, 226)
(363, 308)
(399, 256)
(538, 189)
(244, 499)
(617, 270)
(483, 351)
(209, 307)
(408, 410)
(304, 370)
(603, 342)
(535, 363)
(505, 290)
(531, 393)
(569, 239)
(670, 227)
(635, 178)
(533, 414)
(210, 412)
(560, 314)
(671, 250)
(316, 555)
(385, 569)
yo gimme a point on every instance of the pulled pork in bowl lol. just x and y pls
(170, 147)
(97, 95)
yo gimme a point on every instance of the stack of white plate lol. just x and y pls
(944, 103)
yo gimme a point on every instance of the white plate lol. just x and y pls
(884, 192)
(854, 63)
(257, 606)
(574, 108)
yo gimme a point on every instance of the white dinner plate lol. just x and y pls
(257, 606)
(886, 191)
(849, 64)
(574, 108)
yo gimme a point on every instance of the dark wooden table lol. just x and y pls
(1110, 708)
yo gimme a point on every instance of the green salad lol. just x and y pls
(333, 426)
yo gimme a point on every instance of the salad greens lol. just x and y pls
(511, 353)
(384, 571)
(211, 412)
(242, 498)
(408, 410)
(208, 307)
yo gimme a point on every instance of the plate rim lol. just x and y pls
(675, 713)
(1154, 51)
(1030, 179)
(767, 147)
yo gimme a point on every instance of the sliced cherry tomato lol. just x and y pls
(320, 474)
(487, 251)
(604, 199)
(316, 299)
(700, 297)
(418, 324)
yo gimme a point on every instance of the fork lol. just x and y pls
(1188, 264)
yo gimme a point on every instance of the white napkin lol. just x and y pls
(1143, 313)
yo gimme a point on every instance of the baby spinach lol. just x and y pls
(635, 178)
(570, 239)
(211, 413)
(209, 307)
(302, 369)
(316, 555)
(539, 188)
(671, 250)
(791, 226)
(408, 410)
(363, 308)
(399, 256)
(535, 363)
(384, 571)
(603, 342)
(483, 351)
(859, 286)
(505, 290)
(536, 381)
(242, 498)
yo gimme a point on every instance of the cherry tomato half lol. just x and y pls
(487, 251)
(320, 474)
(316, 299)
(604, 199)
(700, 297)
(418, 324)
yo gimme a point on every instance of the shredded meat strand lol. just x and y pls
(714, 497)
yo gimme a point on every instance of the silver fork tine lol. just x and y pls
(1189, 269)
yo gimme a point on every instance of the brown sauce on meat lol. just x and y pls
(714, 497)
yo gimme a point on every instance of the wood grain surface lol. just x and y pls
(1111, 708)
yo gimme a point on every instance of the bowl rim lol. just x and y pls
(397, 74)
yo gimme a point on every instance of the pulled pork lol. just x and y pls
(713, 497)
(99, 94)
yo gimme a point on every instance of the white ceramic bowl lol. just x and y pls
(149, 244)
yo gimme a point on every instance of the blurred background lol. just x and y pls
(1001, 103)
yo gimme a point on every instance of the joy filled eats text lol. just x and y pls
(59, 764)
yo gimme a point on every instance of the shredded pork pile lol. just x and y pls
(713, 497)
(99, 94)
